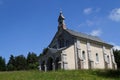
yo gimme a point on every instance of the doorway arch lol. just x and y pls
(50, 64)
(43, 66)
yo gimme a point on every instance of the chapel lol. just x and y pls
(72, 50)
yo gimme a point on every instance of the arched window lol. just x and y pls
(97, 57)
(61, 43)
(67, 42)
(83, 55)
(108, 59)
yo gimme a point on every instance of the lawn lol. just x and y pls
(62, 75)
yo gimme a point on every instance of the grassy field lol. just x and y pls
(62, 75)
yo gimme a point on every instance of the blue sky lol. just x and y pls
(29, 25)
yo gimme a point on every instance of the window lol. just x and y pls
(64, 57)
(61, 43)
(97, 57)
(108, 59)
(67, 43)
(83, 55)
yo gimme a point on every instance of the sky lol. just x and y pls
(29, 25)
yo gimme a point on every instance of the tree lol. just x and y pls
(11, 64)
(20, 62)
(32, 60)
(2, 64)
(117, 57)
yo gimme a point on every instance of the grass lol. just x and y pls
(62, 75)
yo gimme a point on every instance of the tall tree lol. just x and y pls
(20, 62)
(11, 63)
(32, 60)
(2, 64)
(117, 57)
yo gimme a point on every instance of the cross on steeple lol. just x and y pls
(61, 23)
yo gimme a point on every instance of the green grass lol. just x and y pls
(62, 75)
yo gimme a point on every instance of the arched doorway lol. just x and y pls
(43, 66)
(50, 64)
(57, 64)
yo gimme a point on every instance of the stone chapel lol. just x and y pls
(71, 50)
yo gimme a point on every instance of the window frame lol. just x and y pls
(83, 55)
(97, 58)
(108, 58)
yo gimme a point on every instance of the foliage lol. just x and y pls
(62, 75)
(17, 63)
(20, 62)
(11, 63)
(2, 64)
(117, 57)
(32, 61)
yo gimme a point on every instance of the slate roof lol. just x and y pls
(85, 36)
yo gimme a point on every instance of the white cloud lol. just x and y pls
(115, 46)
(115, 14)
(97, 32)
(87, 11)
(90, 10)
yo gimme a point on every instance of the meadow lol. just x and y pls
(62, 75)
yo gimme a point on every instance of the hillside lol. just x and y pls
(61, 75)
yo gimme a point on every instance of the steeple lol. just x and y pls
(61, 23)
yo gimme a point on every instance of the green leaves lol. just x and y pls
(2, 64)
(117, 57)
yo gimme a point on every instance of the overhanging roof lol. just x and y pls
(86, 36)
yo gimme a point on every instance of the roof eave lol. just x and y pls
(103, 43)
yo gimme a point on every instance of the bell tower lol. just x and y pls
(61, 23)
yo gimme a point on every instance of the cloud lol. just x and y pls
(97, 32)
(90, 10)
(115, 46)
(87, 11)
(115, 14)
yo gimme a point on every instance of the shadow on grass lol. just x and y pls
(108, 73)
